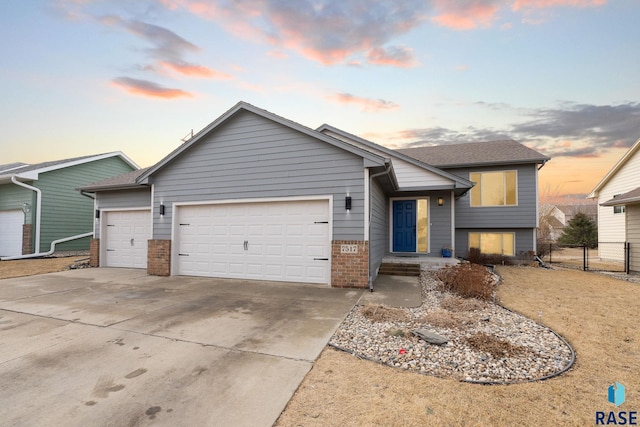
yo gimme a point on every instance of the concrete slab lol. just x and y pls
(394, 291)
(117, 347)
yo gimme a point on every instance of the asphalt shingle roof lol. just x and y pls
(475, 154)
(124, 180)
(629, 197)
(18, 168)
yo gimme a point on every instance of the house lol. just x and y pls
(40, 204)
(619, 208)
(558, 216)
(254, 195)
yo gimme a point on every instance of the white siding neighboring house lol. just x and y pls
(616, 192)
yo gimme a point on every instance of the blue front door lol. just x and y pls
(404, 226)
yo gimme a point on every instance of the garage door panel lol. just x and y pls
(126, 235)
(282, 240)
(11, 232)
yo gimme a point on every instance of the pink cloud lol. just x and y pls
(395, 56)
(467, 15)
(367, 104)
(148, 88)
(194, 70)
(540, 4)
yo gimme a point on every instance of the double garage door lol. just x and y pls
(281, 241)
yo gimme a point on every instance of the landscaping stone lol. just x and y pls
(430, 336)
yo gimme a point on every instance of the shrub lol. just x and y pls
(382, 313)
(496, 347)
(458, 304)
(444, 319)
(476, 257)
(467, 281)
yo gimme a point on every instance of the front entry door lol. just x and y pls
(404, 226)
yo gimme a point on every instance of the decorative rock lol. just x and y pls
(430, 336)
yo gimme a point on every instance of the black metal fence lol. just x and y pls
(607, 256)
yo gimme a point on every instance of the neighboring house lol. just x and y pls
(559, 216)
(619, 207)
(40, 203)
(257, 196)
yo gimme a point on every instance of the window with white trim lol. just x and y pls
(499, 188)
(494, 243)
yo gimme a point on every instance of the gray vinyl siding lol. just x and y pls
(440, 222)
(13, 196)
(524, 215)
(524, 239)
(633, 236)
(379, 229)
(249, 157)
(122, 199)
(66, 212)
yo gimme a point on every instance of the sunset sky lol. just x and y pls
(561, 76)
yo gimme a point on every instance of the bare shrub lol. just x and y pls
(399, 332)
(455, 303)
(467, 280)
(443, 319)
(382, 313)
(476, 257)
(496, 347)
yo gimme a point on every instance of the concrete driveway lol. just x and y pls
(118, 347)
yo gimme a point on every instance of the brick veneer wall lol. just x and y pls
(94, 253)
(349, 270)
(27, 236)
(159, 258)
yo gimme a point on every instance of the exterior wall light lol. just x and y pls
(26, 207)
(97, 213)
(347, 203)
(161, 210)
(440, 201)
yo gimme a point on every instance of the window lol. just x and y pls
(493, 243)
(494, 188)
(618, 209)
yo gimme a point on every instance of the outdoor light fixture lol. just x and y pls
(161, 210)
(440, 201)
(347, 203)
(97, 213)
(26, 207)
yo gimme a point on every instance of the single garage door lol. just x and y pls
(11, 232)
(281, 241)
(125, 238)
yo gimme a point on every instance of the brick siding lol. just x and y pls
(349, 270)
(27, 236)
(94, 253)
(159, 258)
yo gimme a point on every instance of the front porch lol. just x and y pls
(427, 263)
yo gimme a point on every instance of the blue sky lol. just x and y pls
(561, 76)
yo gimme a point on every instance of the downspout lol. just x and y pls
(375, 175)
(52, 248)
(38, 210)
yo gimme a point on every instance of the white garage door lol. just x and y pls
(11, 232)
(281, 241)
(125, 238)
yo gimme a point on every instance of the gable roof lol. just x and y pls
(628, 198)
(634, 148)
(476, 154)
(458, 181)
(27, 172)
(371, 159)
(124, 181)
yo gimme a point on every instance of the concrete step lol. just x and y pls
(399, 269)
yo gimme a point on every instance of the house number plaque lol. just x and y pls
(348, 249)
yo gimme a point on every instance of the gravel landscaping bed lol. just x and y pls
(486, 342)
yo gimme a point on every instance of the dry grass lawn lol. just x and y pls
(598, 315)
(29, 267)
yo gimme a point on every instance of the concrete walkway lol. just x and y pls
(394, 291)
(118, 347)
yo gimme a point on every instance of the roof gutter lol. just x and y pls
(544, 162)
(52, 249)
(387, 171)
(38, 206)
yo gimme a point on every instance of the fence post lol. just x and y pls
(585, 263)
